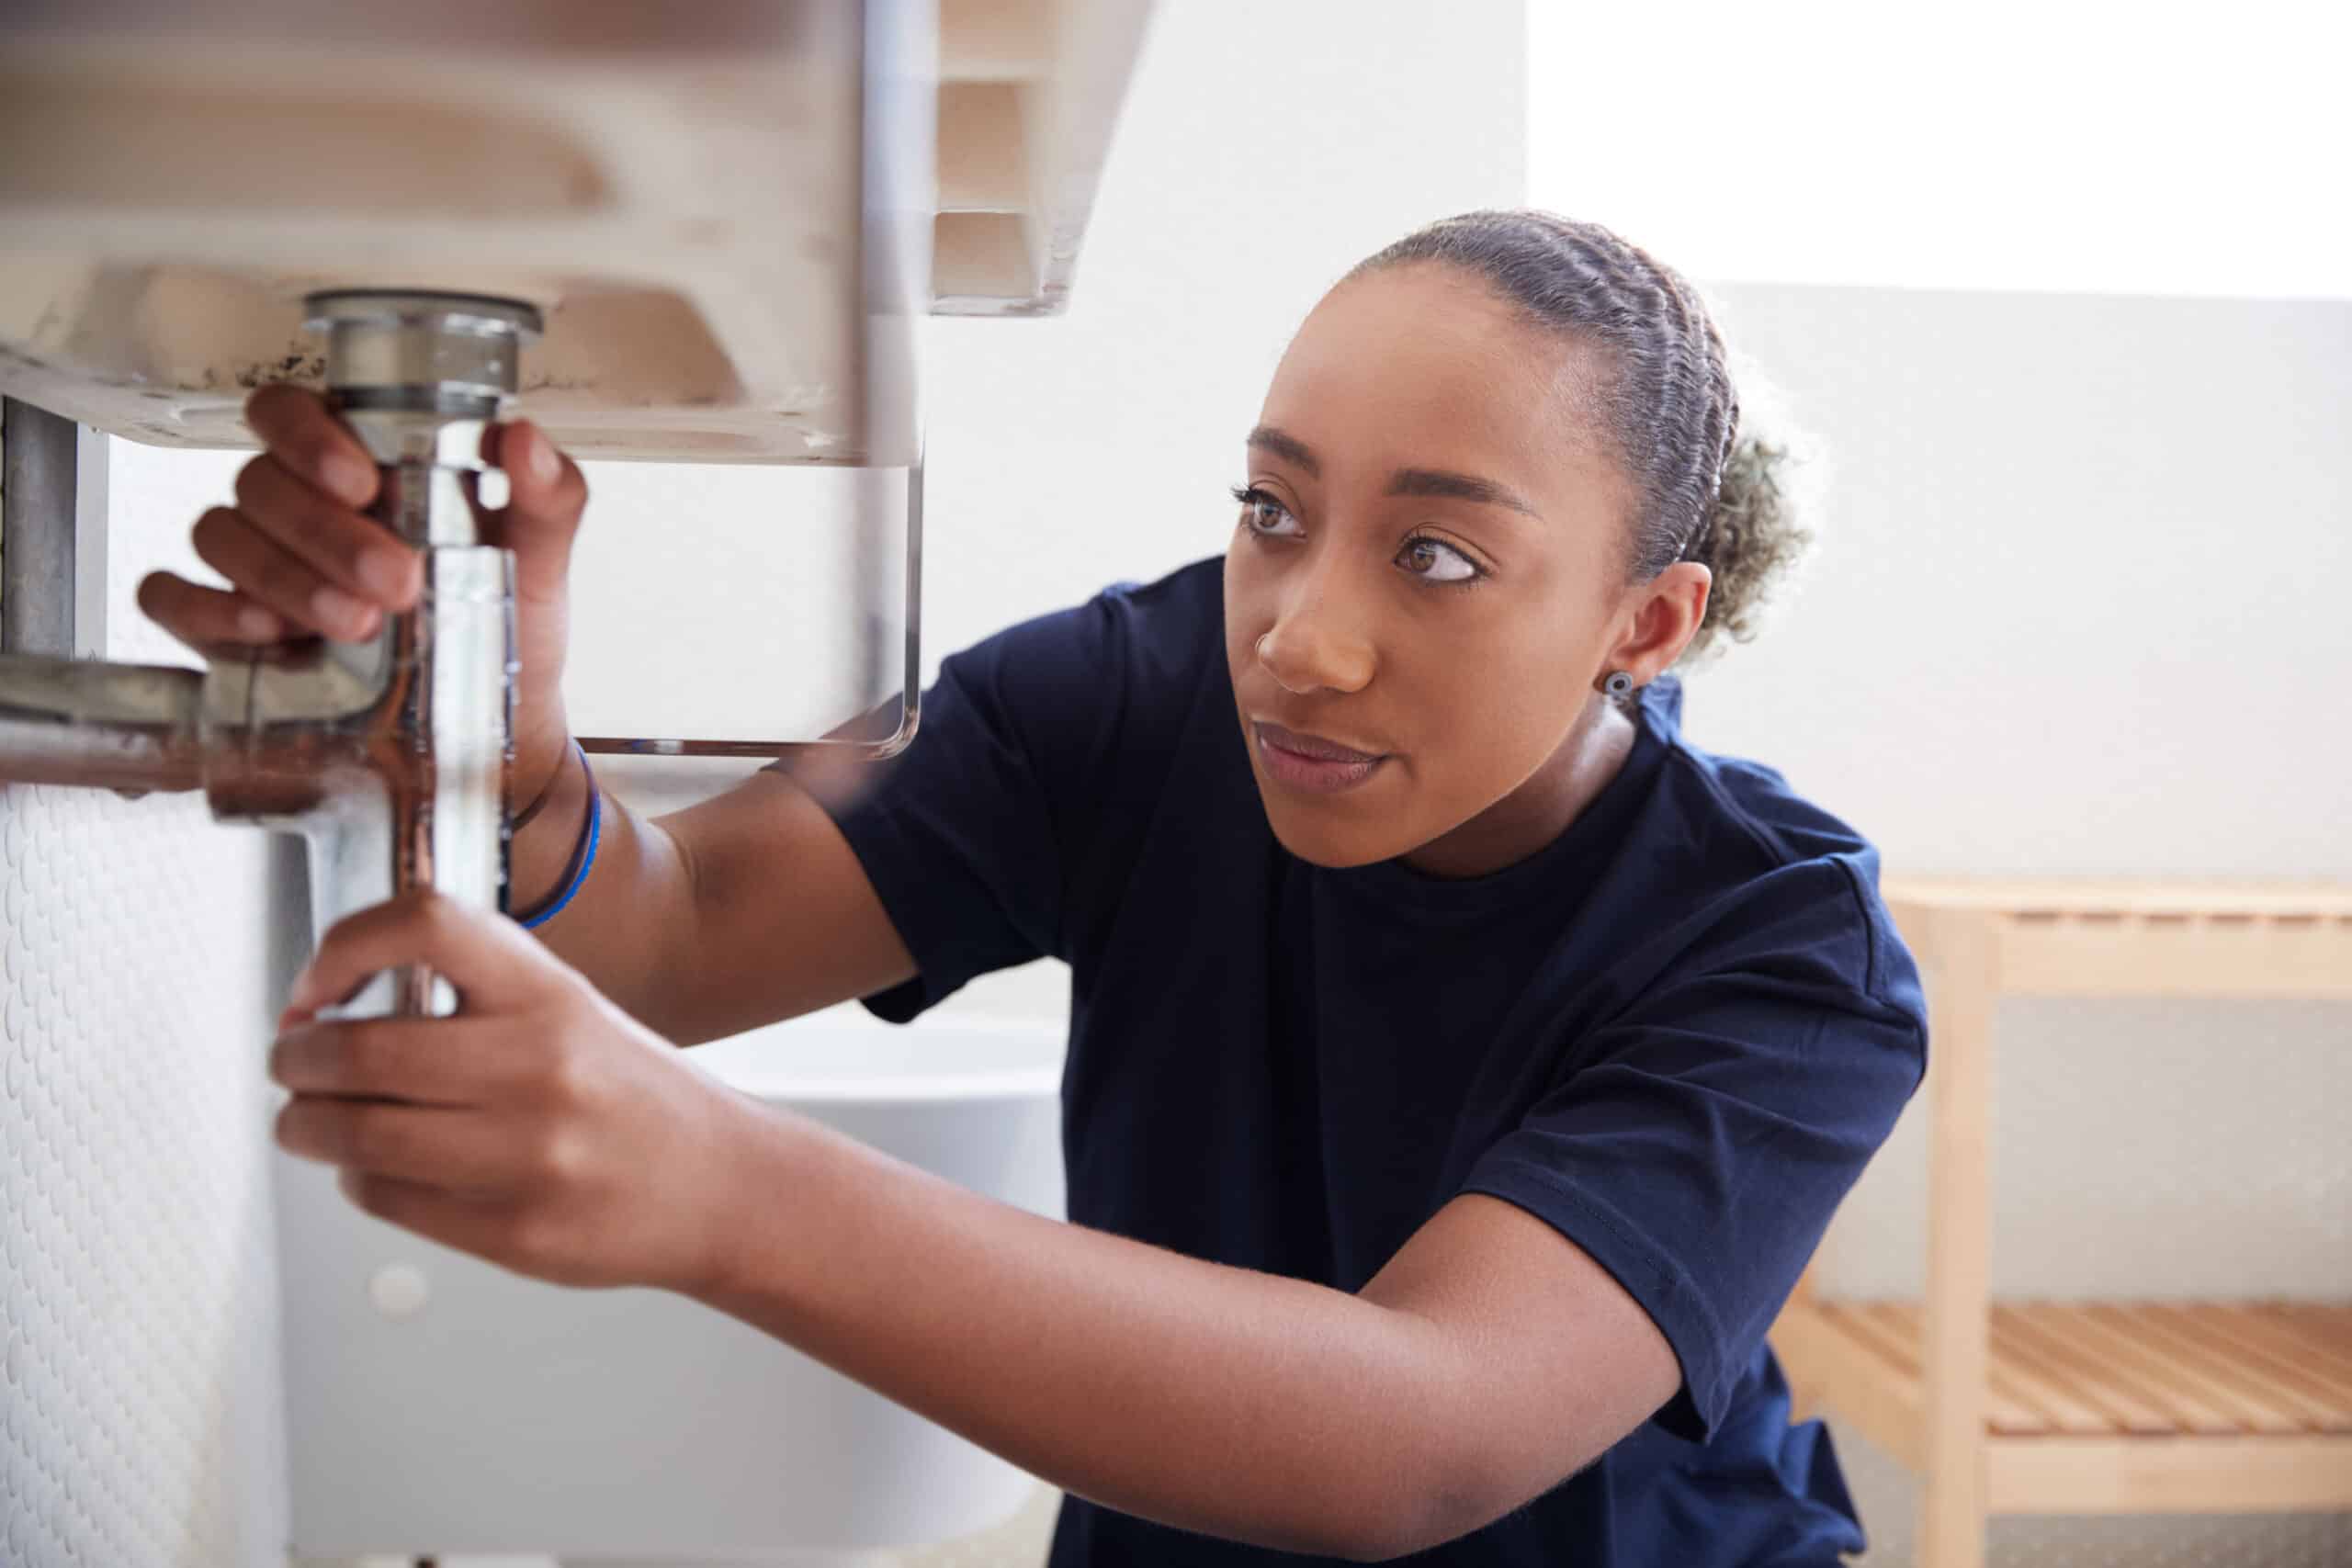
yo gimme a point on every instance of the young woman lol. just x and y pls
(1463, 1065)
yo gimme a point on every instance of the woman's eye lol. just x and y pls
(1264, 514)
(1437, 561)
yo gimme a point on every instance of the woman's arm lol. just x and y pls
(545, 1130)
(1490, 1359)
(737, 911)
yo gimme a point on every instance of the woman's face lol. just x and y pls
(1428, 570)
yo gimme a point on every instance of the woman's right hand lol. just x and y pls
(303, 561)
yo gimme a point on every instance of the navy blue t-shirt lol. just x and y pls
(1676, 1033)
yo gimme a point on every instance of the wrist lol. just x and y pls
(754, 1146)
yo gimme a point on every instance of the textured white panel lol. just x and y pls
(140, 1420)
(138, 1299)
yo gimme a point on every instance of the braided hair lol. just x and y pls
(1709, 492)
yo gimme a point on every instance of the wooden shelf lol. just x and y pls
(2110, 1407)
(2088, 1407)
(2152, 939)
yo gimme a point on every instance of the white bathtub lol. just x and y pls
(437, 1405)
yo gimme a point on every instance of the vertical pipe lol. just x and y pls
(39, 475)
(417, 376)
(898, 109)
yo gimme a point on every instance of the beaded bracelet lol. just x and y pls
(583, 854)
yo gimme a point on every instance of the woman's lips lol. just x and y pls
(1310, 762)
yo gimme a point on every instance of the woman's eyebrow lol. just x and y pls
(1286, 446)
(1457, 487)
(1405, 482)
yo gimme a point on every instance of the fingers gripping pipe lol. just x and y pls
(391, 755)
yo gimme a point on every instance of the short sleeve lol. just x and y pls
(967, 835)
(1697, 1144)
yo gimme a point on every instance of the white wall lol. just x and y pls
(2078, 603)
(2094, 145)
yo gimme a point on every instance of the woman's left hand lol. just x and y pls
(540, 1128)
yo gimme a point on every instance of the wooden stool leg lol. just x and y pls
(1957, 1330)
(1804, 1398)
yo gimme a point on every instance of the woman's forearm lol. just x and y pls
(1216, 1399)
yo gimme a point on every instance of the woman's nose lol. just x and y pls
(1318, 647)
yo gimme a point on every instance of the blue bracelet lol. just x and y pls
(586, 859)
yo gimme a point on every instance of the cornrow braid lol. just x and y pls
(1666, 399)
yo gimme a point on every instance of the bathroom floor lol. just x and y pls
(1018, 1543)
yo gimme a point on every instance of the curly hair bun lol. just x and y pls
(1750, 539)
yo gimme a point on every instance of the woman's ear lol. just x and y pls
(1663, 619)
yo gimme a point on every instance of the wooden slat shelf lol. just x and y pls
(2255, 1396)
(2083, 1408)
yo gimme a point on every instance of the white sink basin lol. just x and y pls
(439, 1404)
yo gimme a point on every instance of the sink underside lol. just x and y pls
(677, 189)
